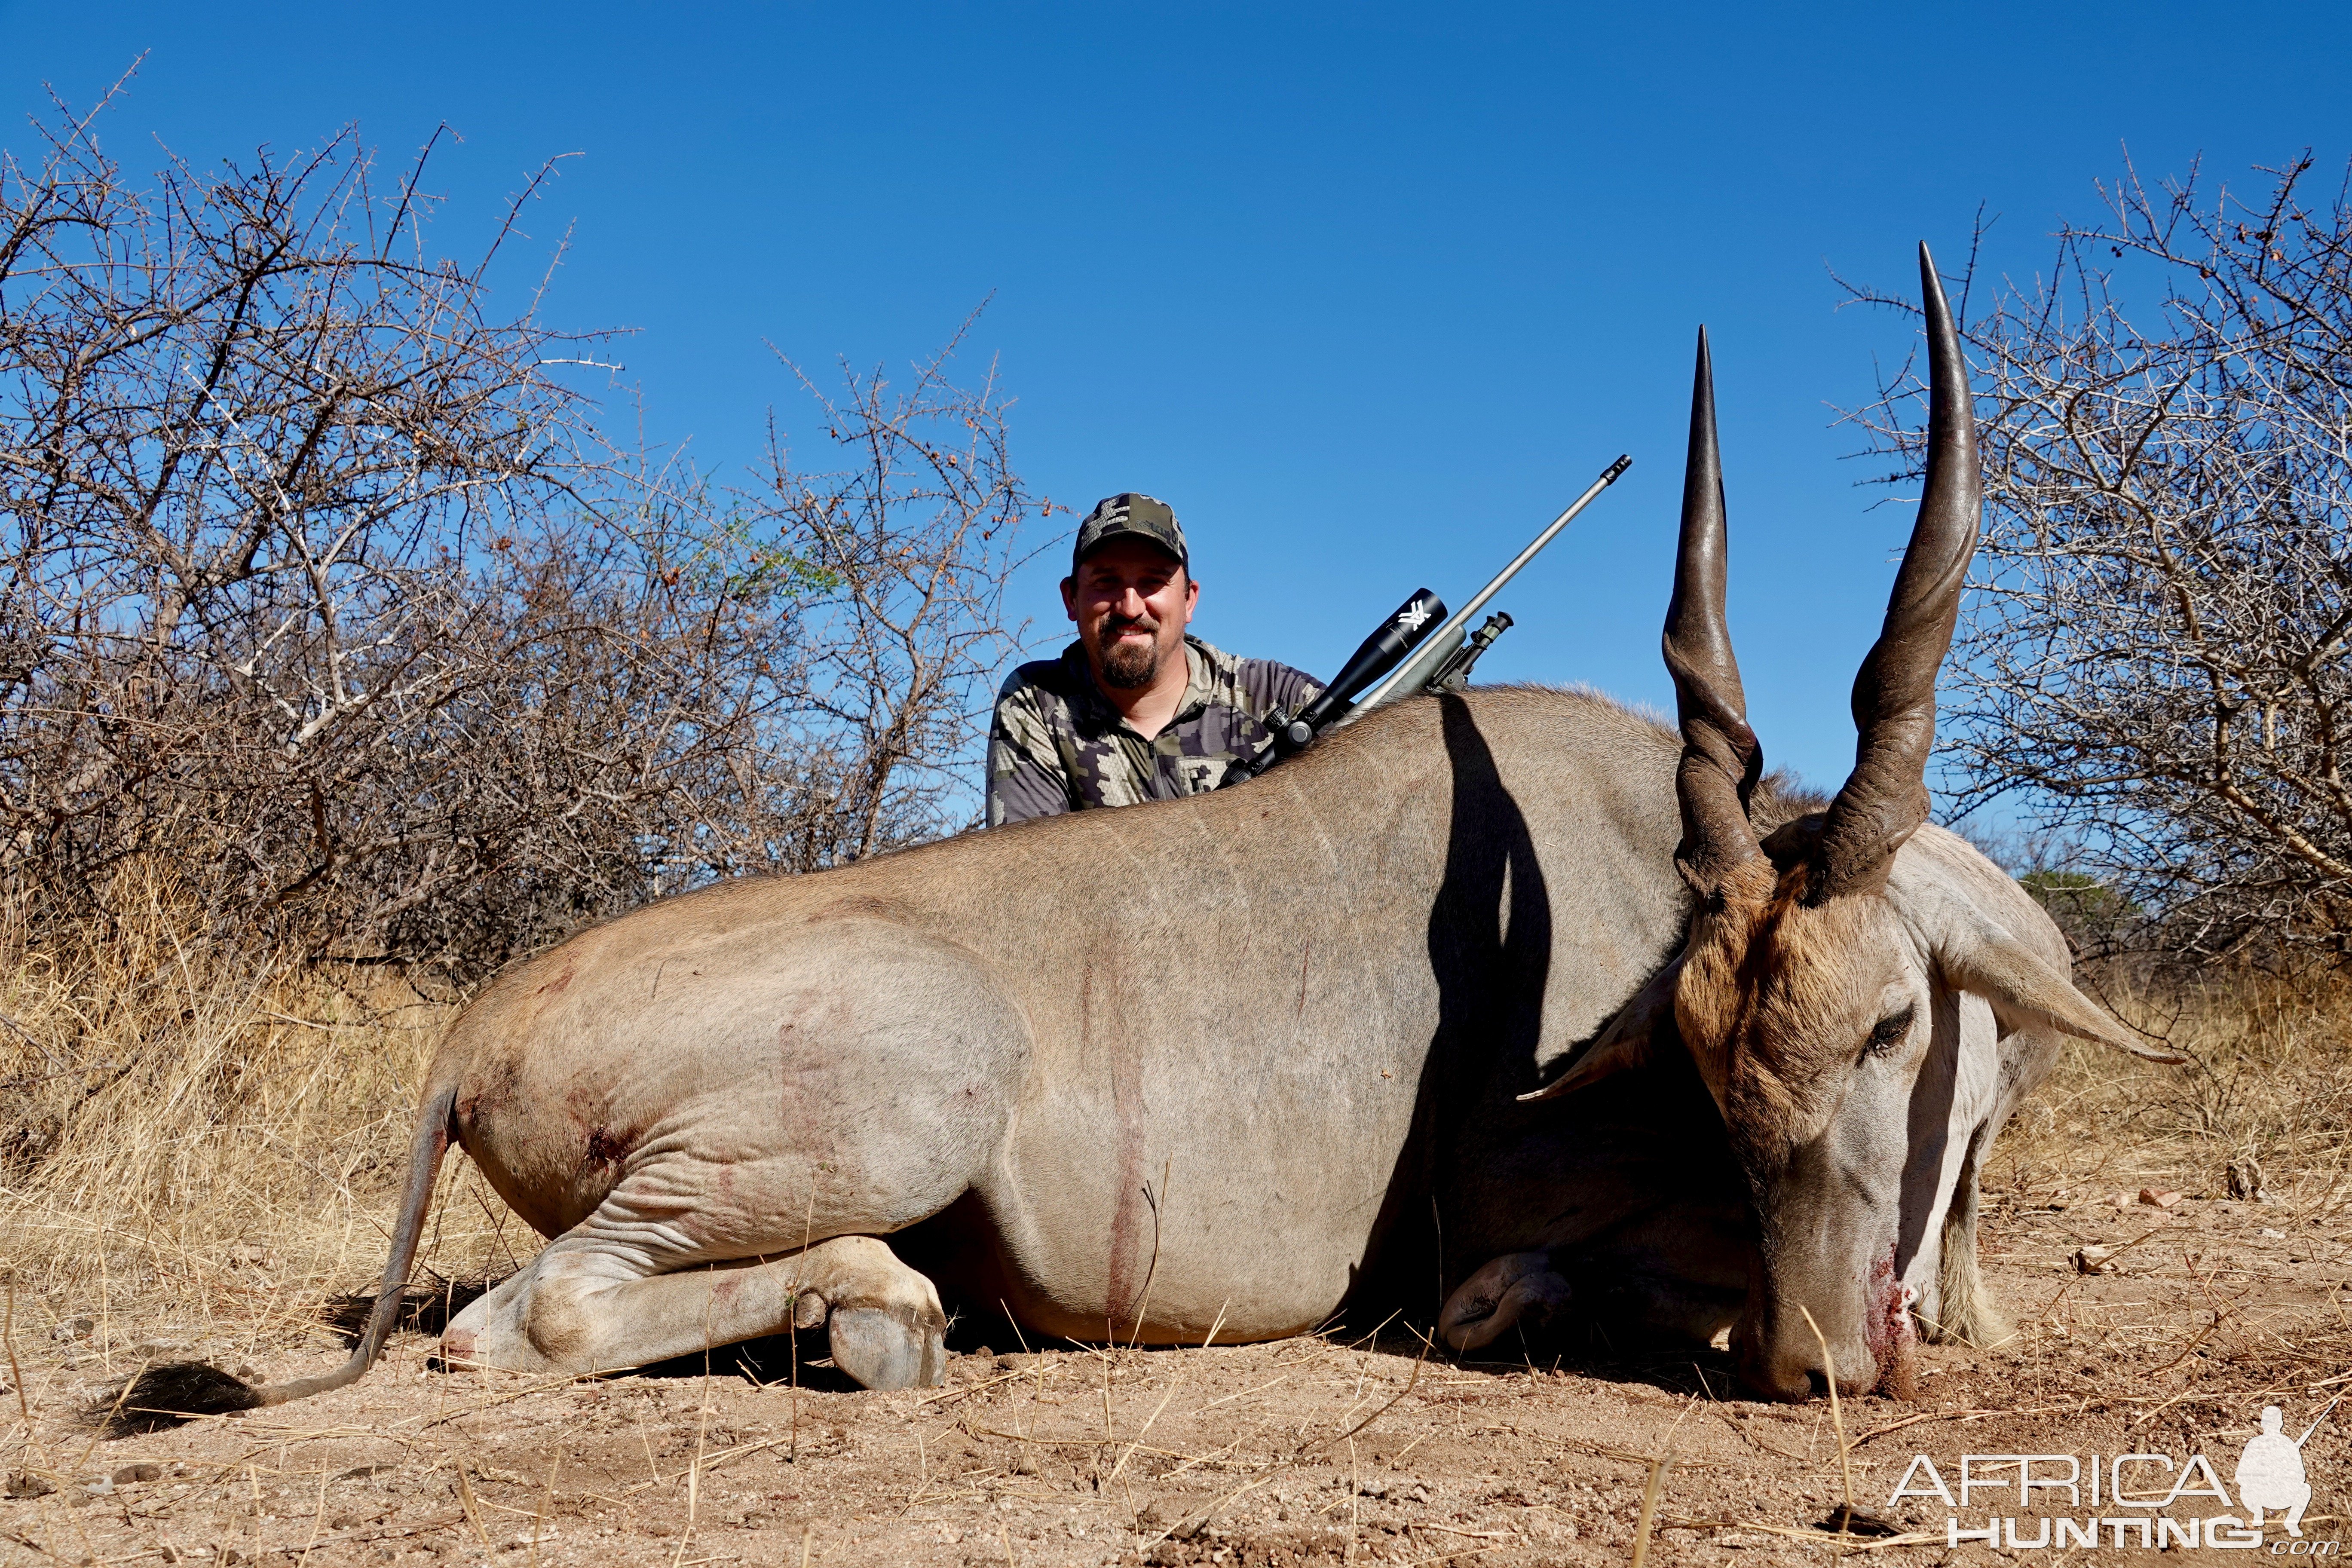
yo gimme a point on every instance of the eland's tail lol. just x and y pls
(170, 1391)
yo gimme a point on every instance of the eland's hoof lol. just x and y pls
(1518, 1290)
(883, 1351)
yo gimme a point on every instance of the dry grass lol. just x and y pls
(208, 1138)
(2268, 1088)
(2253, 1125)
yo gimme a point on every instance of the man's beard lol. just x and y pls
(1129, 667)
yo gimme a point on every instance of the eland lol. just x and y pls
(1512, 1007)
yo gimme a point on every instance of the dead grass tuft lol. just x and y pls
(205, 1137)
(2267, 1094)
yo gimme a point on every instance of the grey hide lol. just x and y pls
(1251, 1055)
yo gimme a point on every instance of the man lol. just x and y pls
(1135, 710)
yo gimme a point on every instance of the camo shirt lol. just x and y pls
(1056, 745)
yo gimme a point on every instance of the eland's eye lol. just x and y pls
(1889, 1032)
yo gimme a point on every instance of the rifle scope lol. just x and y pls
(1382, 651)
(1411, 652)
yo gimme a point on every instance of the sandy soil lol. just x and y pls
(1313, 1450)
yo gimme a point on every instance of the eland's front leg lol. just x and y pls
(587, 1306)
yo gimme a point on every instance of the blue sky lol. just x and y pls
(1366, 292)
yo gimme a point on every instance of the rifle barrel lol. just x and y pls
(1436, 641)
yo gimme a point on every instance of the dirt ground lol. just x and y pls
(1312, 1451)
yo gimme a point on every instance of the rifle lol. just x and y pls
(1418, 647)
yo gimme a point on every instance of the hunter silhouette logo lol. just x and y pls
(2270, 1472)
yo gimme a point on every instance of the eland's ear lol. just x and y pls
(2020, 983)
(1625, 1041)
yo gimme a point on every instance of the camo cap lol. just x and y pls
(1126, 514)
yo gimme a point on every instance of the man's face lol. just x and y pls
(1132, 600)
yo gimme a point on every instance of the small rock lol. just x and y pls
(2273, 1234)
(1847, 1520)
(129, 1474)
(660, 1527)
(2155, 1199)
(26, 1484)
(73, 1329)
(2095, 1260)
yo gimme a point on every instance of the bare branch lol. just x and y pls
(2155, 660)
(323, 599)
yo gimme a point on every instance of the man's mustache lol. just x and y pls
(1128, 668)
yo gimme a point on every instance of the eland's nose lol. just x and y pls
(1793, 1369)
(1783, 1377)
